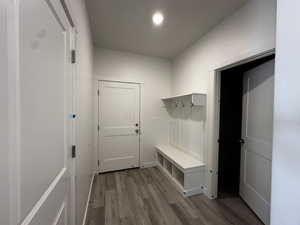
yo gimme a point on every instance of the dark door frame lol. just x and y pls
(213, 135)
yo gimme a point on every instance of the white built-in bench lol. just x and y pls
(183, 169)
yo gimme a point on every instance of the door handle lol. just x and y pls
(241, 141)
(137, 131)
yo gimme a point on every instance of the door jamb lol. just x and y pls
(97, 119)
(213, 121)
(73, 71)
(66, 12)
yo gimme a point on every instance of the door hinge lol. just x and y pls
(98, 163)
(98, 128)
(73, 151)
(98, 92)
(73, 56)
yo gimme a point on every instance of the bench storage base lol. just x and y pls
(186, 172)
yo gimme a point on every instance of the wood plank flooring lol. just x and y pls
(146, 197)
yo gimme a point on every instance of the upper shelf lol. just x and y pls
(196, 99)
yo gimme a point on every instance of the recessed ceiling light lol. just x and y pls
(158, 18)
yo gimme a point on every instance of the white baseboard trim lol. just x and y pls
(88, 200)
(148, 164)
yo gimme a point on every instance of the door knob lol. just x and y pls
(137, 131)
(241, 141)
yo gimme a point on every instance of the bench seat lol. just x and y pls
(182, 160)
(186, 171)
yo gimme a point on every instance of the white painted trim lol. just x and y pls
(44, 197)
(148, 164)
(214, 111)
(98, 124)
(14, 109)
(140, 124)
(59, 214)
(95, 125)
(141, 140)
(68, 11)
(119, 81)
(246, 56)
(72, 14)
(72, 161)
(88, 200)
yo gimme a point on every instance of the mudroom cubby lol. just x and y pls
(182, 158)
(184, 170)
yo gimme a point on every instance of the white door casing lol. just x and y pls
(257, 131)
(119, 120)
(4, 117)
(71, 112)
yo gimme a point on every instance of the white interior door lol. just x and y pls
(256, 157)
(119, 120)
(45, 106)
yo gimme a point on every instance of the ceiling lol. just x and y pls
(126, 25)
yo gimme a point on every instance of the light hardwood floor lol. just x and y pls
(146, 197)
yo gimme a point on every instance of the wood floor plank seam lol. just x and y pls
(147, 197)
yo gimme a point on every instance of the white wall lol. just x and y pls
(285, 204)
(155, 74)
(186, 128)
(84, 92)
(249, 31)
